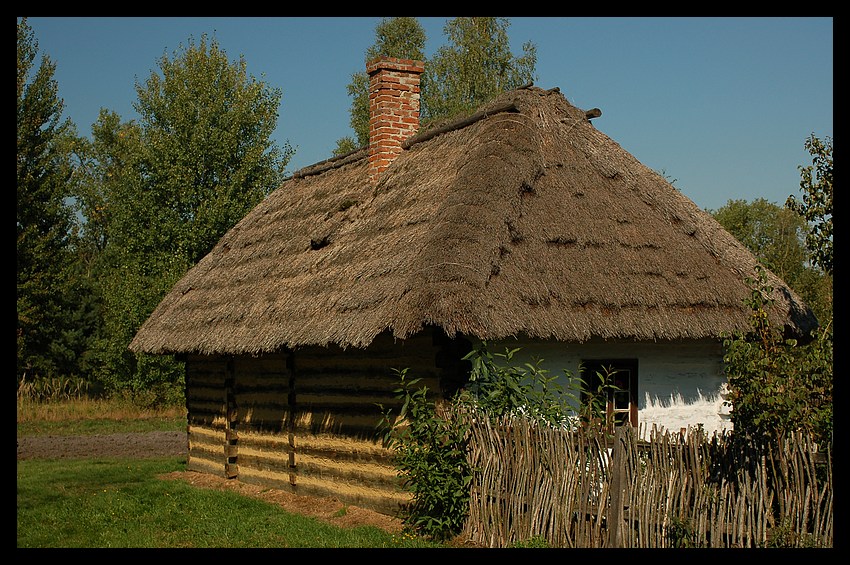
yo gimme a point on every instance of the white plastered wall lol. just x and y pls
(679, 382)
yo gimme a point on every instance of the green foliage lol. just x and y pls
(345, 145)
(430, 445)
(430, 455)
(402, 38)
(206, 143)
(816, 205)
(593, 408)
(51, 310)
(784, 535)
(777, 237)
(534, 542)
(681, 533)
(161, 192)
(499, 388)
(778, 386)
(475, 66)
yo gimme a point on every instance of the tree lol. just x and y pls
(776, 236)
(163, 191)
(402, 38)
(816, 206)
(129, 271)
(46, 343)
(475, 66)
(778, 386)
(206, 135)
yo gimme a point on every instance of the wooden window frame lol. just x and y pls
(589, 367)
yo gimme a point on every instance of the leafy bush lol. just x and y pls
(778, 386)
(430, 455)
(511, 390)
(680, 533)
(430, 443)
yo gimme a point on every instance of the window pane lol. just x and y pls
(621, 379)
(621, 400)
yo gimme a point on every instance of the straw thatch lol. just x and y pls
(524, 220)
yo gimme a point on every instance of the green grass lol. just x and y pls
(118, 502)
(113, 502)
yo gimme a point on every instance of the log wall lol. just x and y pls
(305, 421)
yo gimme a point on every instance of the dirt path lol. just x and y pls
(149, 444)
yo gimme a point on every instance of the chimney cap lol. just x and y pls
(394, 63)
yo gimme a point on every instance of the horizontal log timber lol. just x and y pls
(210, 381)
(334, 470)
(200, 464)
(206, 411)
(376, 368)
(307, 419)
(383, 500)
(204, 395)
(339, 399)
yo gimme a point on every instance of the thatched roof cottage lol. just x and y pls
(522, 225)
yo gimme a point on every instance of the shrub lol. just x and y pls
(430, 443)
(430, 453)
(778, 386)
(510, 390)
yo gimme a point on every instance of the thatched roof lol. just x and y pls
(527, 221)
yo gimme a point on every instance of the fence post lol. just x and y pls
(615, 515)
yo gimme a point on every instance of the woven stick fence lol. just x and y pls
(583, 489)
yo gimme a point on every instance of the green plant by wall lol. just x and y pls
(778, 386)
(430, 446)
(783, 535)
(499, 388)
(430, 455)
(534, 542)
(681, 534)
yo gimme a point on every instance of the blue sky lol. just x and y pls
(721, 105)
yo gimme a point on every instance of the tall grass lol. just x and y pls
(73, 414)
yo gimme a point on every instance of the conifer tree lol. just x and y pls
(43, 219)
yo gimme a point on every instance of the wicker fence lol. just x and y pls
(579, 489)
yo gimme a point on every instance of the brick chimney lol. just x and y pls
(393, 109)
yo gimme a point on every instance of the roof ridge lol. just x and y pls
(331, 163)
(459, 123)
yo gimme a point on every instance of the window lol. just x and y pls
(616, 396)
